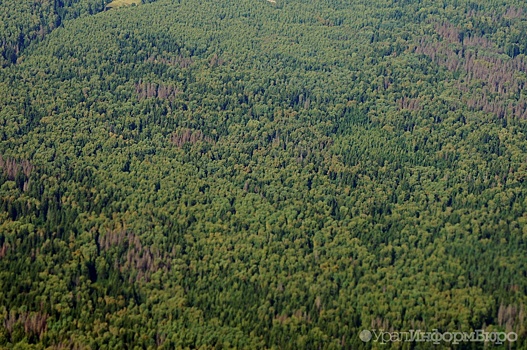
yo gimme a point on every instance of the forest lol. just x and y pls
(199, 174)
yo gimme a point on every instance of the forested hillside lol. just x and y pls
(25, 21)
(249, 174)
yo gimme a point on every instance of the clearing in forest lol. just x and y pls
(121, 3)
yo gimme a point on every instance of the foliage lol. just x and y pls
(217, 174)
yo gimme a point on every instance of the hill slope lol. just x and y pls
(253, 175)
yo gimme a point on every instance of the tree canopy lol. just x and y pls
(217, 174)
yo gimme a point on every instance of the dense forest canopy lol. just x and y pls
(249, 174)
